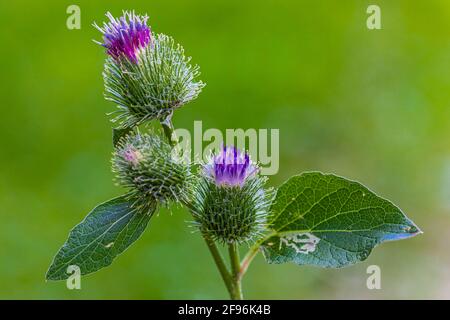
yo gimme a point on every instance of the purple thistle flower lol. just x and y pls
(125, 36)
(230, 167)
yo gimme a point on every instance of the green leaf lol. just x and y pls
(328, 221)
(107, 231)
(118, 133)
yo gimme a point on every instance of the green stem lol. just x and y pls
(232, 282)
(226, 277)
(235, 267)
(251, 254)
(169, 130)
(246, 261)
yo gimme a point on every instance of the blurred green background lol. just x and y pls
(372, 106)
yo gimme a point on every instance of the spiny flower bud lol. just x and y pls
(147, 166)
(230, 204)
(146, 75)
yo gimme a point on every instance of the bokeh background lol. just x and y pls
(370, 105)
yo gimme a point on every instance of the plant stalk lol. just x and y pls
(226, 277)
(232, 281)
(251, 254)
(235, 267)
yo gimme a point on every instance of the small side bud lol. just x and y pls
(146, 165)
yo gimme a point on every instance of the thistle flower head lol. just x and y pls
(230, 167)
(125, 36)
(146, 165)
(154, 80)
(230, 204)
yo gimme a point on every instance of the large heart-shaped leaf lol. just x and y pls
(328, 221)
(107, 231)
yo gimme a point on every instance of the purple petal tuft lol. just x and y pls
(230, 167)
(126, 35)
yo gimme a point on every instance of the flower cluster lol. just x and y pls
(148, 76)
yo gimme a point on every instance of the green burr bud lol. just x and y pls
(230, 204)
(150, 169)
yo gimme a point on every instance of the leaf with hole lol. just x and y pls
(328, 221)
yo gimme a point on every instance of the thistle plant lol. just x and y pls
(312, 219)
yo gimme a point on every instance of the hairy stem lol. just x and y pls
(235, 267)
(226, 277)
(232, 281)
